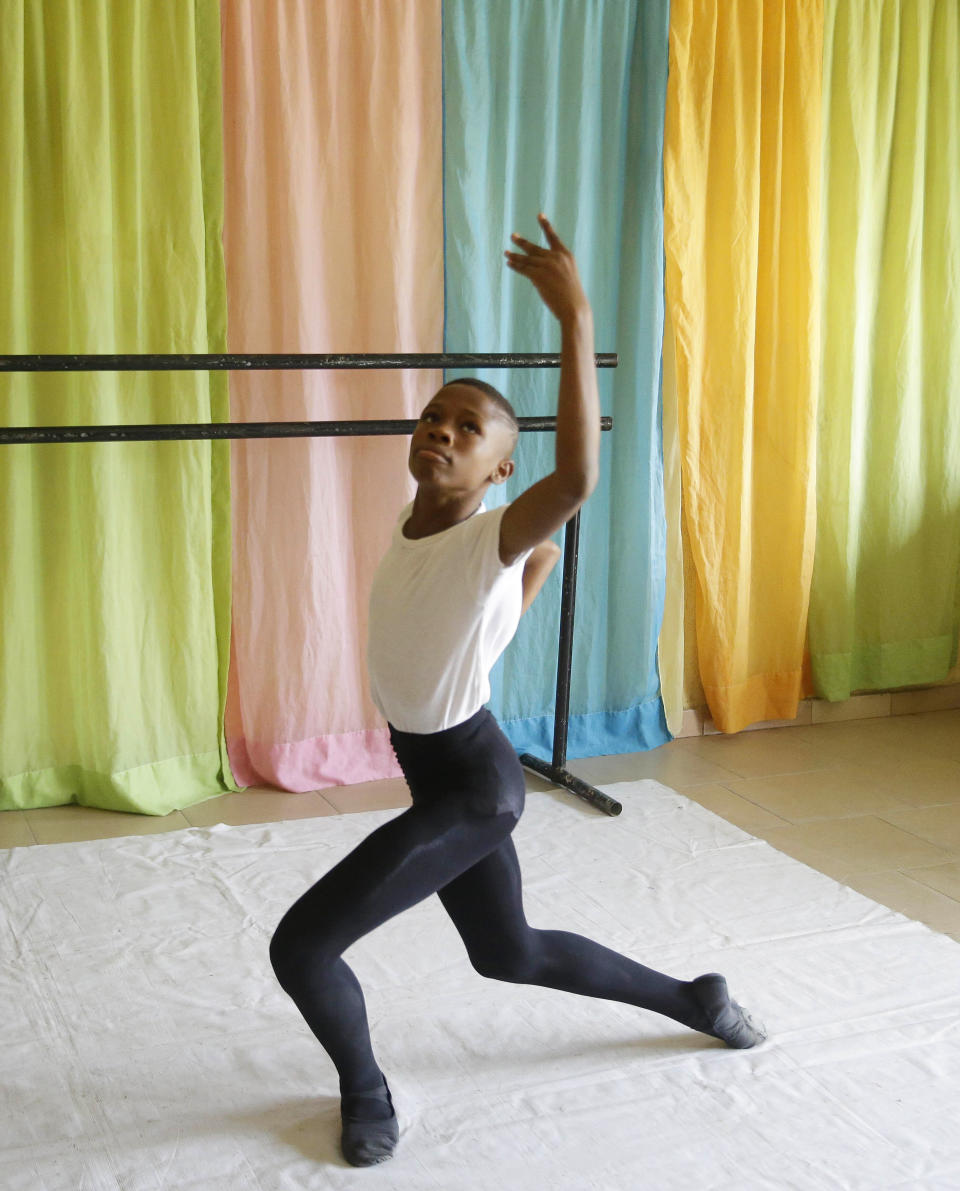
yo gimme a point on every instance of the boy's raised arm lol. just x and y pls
(547, 505)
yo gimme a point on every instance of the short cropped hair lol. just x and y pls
(496, 398)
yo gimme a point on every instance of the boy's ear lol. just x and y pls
(502, 472)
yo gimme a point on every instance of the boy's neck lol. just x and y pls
(433, 513)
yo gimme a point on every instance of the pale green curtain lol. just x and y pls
(115, 558)
(885, 604)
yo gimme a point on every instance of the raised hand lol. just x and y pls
(551, 502)
(553, 272)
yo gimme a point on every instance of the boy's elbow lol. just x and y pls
(579, 486)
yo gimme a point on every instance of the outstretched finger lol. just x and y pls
(552, 238)
(524, 262)
(528, 245)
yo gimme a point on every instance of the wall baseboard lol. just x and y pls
(697, 721)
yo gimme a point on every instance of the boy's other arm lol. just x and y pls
(537, 569)
(547, 505)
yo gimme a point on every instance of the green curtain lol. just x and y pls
(885, 603)
(115, 559)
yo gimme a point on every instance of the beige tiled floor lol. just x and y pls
(874, 803)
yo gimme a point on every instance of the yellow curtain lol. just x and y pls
(741, 188)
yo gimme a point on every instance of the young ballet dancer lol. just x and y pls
(446, 600)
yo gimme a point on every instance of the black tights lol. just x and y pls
(467, 788)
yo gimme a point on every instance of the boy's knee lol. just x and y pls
(292, 949)
(513, 963)
(280, 953)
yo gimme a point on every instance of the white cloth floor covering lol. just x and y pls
(145, 1044)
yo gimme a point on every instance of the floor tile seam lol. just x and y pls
(952, 851)
(703, 746)
(908, 873)
(924, 918)
(887, 715)
(255, 822)
(30, 832)
(724, 773)
(879, 816)
(850, 878)
(166, 829)
(902, 804)
(953, 861)
(68, 811)
(842, 815)
(758, 805)
(724, 785)
(863, 772)
(951, 804)
(845, 752)
(830, 856)
(84, 838)
(837, 818)
(755, 829)
(901, 800)
(734, 775)
(158, 828)
(33, 834)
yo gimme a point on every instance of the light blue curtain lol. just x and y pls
(559, 106)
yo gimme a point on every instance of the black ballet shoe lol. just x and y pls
(365, 1142)
(729, 1022)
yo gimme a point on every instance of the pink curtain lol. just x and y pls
(334, 243)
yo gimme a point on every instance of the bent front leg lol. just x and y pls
(395, 867)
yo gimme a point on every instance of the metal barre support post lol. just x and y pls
(33, 435)
(557, 772)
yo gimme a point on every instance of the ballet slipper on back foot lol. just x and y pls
(367, 1142)
(729, 1022)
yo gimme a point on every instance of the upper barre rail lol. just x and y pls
(227, 362)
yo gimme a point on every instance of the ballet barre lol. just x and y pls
(555, 770)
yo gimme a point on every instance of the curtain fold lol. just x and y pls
(741, 169)
(670, 645)
(114, 571)
(559, 108)
(885, 605)
(333, 243)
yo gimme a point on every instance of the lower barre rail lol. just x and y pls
(193, 431)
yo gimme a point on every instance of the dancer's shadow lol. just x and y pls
(311, 1126)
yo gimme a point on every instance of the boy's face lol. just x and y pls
(462, 443)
